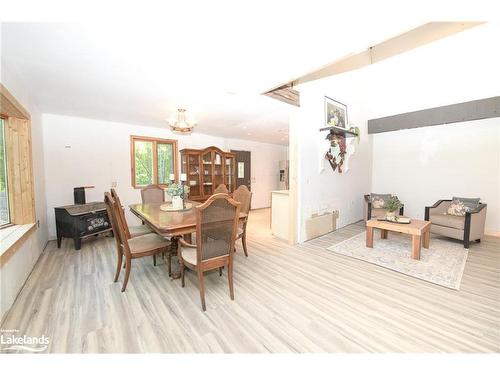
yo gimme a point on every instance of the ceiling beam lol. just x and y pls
(407, 41)
(448, 114)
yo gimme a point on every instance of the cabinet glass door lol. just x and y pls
(207, 176)
(229, 174)
(193, 175)
(218, 169)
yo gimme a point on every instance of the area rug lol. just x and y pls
(442, 264)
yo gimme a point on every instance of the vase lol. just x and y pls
(177, 202)
(391, 215)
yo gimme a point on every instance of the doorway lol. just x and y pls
(243, 168)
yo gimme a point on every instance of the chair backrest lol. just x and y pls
(221, 189)
(109, 201)
(115, 196)
(152, 194)
(121, 223)
(120, 216)
(244, 196)
(216, 227)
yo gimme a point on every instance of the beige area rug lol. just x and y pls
(442, 264)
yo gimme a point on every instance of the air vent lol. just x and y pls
(285, 94)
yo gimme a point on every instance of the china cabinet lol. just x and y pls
(206, 169)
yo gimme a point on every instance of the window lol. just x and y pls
(4, 192)
(153, 160)
(17, 196)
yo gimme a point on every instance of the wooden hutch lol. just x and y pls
(206, 169)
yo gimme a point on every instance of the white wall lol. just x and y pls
(438, 162)
(15, 272)
(431, 163)
(420, 165)
(99, 154)
(320, 189)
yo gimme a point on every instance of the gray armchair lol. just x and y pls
(465, 228)
(370, 212)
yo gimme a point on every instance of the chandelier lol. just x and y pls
(182, 125)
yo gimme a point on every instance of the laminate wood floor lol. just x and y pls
(287, 299)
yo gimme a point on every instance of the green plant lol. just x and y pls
(392, 204)
(355, 129)
(175, 190)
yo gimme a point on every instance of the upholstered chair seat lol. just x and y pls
(188, 254)
(139, 230)
(450, 221)
(147, 243)
(467, 226)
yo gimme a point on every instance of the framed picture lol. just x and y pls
(335, 113)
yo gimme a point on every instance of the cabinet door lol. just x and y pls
(218, 177)
(207, 173)
(193, 175)
(184, 161)
(229, 173)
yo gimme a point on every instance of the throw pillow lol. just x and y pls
(378, 200)
(459, 206)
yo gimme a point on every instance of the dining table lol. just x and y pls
(170, 224)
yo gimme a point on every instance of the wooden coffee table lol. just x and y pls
(419, 230)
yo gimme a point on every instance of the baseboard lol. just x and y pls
(491, 232)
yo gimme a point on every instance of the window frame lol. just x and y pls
(155, 142)
(3, 119)
(19, 157)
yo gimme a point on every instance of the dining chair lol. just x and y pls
(132, 247)
(135, 230)
(152, 194)
(216, 227)
(244, 197)
(221, 189)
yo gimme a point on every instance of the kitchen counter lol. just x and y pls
(280, 212)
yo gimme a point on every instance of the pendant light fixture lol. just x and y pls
(182, 125)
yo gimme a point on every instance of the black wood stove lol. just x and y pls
(81, 220)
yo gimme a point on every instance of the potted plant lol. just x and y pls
(178, 192)
(392, 205)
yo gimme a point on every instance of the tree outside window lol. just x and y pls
(153, 160)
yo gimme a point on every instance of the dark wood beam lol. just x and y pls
(468, 111)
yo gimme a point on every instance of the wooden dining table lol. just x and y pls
(172, 224)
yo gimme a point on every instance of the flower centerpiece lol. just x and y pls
(392, 205)
(178, 192)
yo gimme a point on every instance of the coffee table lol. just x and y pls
(419, 230)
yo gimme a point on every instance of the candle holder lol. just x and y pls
(183, 179)
(183, 196)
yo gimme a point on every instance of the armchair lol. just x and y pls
(465, 228)
(370, 212)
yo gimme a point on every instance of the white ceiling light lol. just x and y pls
(182, 125)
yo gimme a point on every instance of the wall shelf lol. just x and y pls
(340, 131)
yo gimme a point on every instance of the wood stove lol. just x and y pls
(79, 221)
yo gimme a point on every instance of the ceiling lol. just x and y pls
(216, 67)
